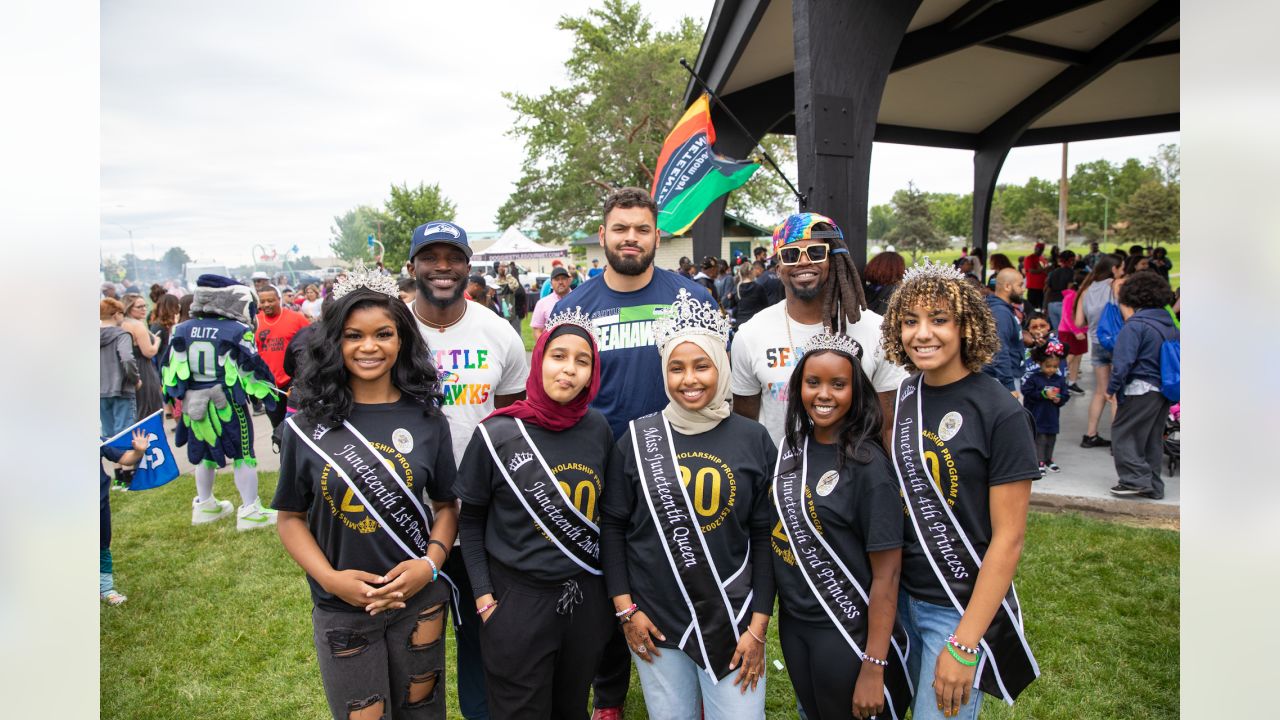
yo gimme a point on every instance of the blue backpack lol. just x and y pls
(1171, 362)
(1170, 359)
(1109, 324)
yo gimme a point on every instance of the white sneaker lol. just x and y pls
(209, 511)
(252, 517)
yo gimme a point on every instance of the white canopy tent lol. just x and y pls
(513, 245)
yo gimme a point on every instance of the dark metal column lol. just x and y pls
(986, 168)
(844, 52)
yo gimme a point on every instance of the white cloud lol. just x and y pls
(230, 124)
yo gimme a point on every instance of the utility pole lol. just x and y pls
(1062, 203)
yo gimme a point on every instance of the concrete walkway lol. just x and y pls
(1083, 484)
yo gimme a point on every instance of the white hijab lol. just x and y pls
(689, 422)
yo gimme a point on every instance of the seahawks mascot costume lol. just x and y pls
(213, 367)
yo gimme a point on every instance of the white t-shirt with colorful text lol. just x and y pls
(479, 357)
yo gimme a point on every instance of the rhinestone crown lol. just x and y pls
(839, 342)
(690, 316)
(362, 277)
(930, 269)
(575, 316)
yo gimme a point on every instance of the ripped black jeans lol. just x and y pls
(390, 665)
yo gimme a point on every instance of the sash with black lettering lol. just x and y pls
(715, 626)
(837, 591)
(377, 486)
(1006, 666)
(525, 470)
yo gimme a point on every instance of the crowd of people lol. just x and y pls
(640, 488)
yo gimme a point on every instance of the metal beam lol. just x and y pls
(1044, 51)
(929, 137)
(967, 12)
(729, 30)
(1160, 49)
(1125, 127)
(1005, 131)
(937, 40)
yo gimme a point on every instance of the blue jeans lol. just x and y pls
(1054, 311)
(116, 413)
(673, 684)
(928, 627)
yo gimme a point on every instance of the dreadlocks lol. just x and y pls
(843, 299)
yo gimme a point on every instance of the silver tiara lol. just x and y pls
(690, 316)
(575, 316)
(362, 277)
(930, 269)
(839, 342)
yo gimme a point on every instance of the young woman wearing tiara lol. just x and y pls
(965, 457)
(838, 546)
(360, 463)
(530, 484)
(686, 532)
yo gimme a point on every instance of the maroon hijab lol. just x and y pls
(537, 407)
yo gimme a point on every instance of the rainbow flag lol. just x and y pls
(690, 174)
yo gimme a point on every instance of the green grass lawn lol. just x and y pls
(218, 622)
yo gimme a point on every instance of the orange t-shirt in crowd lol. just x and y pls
(273, 336)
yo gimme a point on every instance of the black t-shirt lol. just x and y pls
(862, 514)
(989, 441)
(417, 445)
(1058, 280)
(579, 458)
(726, 472)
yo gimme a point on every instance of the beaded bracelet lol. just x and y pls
(962, 661)
(953, 641)
(435, 571)
(874, 661)
(487, 608)
(756, 637)
(628, 610)
(627, 614)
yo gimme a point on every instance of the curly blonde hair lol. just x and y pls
(978, 338)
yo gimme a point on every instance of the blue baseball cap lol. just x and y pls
(439, 231)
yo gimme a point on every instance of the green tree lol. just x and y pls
(882, 221)
(1153, 214)
(1088, 191)
(350, 232)
(952, 214)
(1167, 163)
(174, 260)
(605, 128)
(997, 226)
(1018, 199)
(406, 209)
(1039, 224)
(915, 230)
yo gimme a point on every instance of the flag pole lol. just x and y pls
(800, 197)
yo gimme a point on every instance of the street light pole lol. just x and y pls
(1106, 218)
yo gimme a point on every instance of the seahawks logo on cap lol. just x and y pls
(441, 227)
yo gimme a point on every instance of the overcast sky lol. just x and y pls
(230, 124)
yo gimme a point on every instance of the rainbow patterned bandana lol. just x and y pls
(799, 227)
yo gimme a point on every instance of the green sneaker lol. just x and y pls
(210, 510)
(254, 516)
